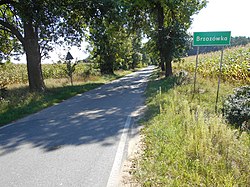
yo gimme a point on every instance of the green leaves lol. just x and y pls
(50, 20)
(236, 107)
(166, 24)
(109, 35)
(113, 28)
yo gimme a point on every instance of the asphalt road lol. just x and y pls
(79, 142)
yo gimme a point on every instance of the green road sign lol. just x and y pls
(212, 38)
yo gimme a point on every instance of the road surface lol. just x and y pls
(79, 142)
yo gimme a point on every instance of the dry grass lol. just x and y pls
(187, 144)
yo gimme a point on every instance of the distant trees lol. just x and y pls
(105, 33)
(235, 41)
(240, 40)
(116, 43)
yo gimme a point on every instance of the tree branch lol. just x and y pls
(4, 2)
(13, 30)
(5, 29)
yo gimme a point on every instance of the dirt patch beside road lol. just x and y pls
(136, 149)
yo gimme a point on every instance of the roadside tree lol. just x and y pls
(37, 25)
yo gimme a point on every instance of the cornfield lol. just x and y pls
(17, 73)
(236, 64)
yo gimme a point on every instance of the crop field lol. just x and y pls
(235, 67)
(17, 73)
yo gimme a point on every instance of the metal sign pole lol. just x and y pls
(196, 67)
(217, 38)
(217, 96)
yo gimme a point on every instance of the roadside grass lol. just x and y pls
(186, 143)
(19, 102)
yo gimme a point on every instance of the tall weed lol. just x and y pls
(184, 146)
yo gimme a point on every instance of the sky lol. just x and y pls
(224, 15)
(218, 15)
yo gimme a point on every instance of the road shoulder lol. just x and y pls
(135, 150)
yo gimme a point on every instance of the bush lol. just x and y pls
(182, 77)
(236, 107)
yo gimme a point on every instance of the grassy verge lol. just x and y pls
(186, 143)
(19, 102)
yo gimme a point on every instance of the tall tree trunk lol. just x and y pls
(160, 20)
(107, 64)
(169, 57)
(134, 60)
(169, 71)
(107, 57)
(33, 56)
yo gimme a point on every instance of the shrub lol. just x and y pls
(236, 107)
(182, 77)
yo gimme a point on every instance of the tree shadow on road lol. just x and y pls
(21, 102)
(96, 116)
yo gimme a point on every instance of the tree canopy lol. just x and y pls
(167, 26)
(36, 25)
(114, 29)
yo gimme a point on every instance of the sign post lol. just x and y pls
(218, 88)
(221, 38)
(70, 69)
(196, 67)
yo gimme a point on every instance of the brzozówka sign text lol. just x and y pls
(221, 38)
